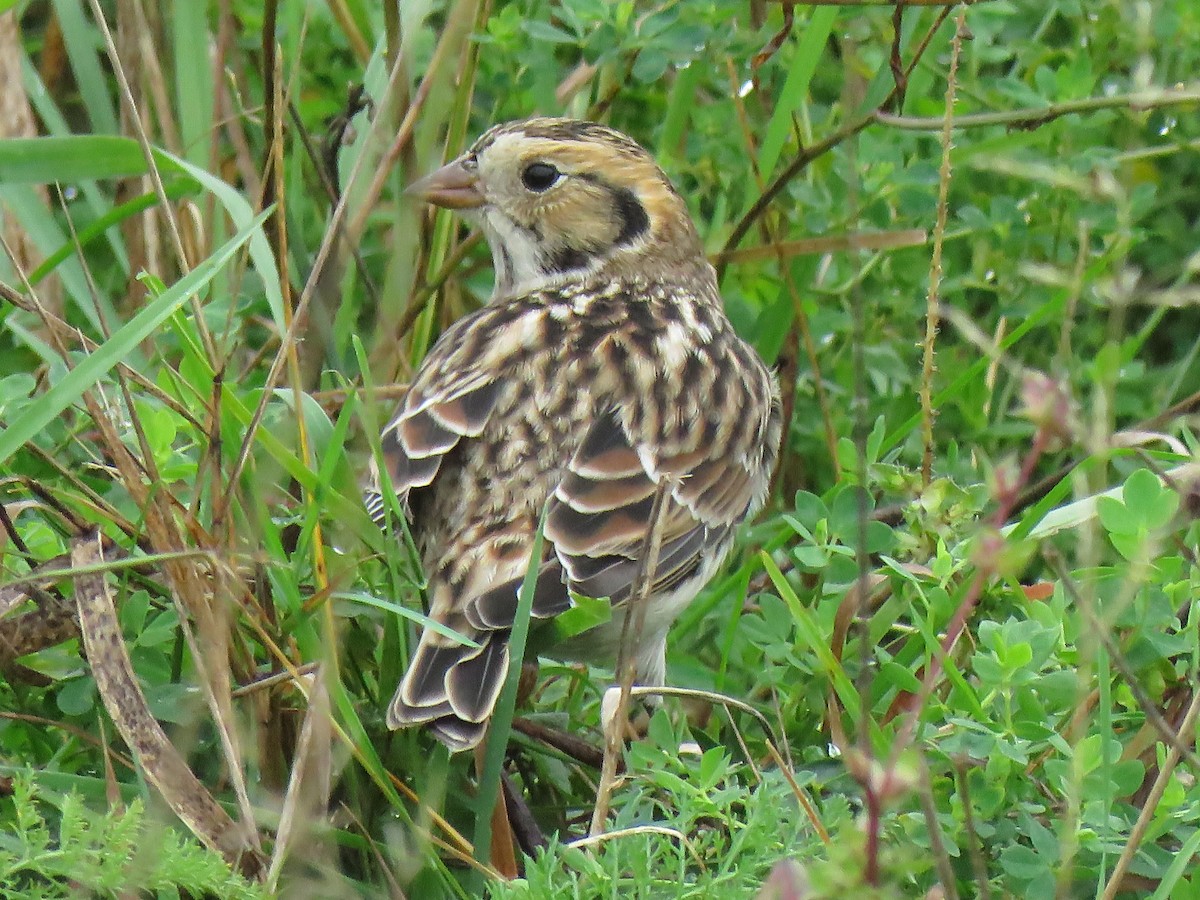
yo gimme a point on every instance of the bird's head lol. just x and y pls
(561, 198)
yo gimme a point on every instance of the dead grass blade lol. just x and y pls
(126, 704)
(307, 798)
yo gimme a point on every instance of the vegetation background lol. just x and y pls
(964, 634)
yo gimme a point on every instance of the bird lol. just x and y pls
(602, 374)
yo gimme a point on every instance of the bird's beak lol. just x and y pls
(451, 187)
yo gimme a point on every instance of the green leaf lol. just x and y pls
(194, 86)
(175, 189)
(47, 160)
(496, 747)
(1182, 864)
(162, 628)
(585, 613)
(713, 766)
(77, 696)
(897, 677)
(988, 669)
(811, 556)
(89, 64)
(1115, 516)
(1022, 863)
(810, 509)
(875, 440)
(1148, 500)
(544, 31)
(650, 65)
(1130, 546)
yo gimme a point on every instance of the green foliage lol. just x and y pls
(727, 826)
(1017, 761)
(57, 847)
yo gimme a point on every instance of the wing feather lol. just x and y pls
(599, 517)
(450, 686)
(428, 426)
(473, 684)
(496, 608)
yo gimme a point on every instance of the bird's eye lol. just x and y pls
(540, 176)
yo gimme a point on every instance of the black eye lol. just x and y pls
(540, 176)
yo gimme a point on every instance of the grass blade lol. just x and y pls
(804, 64)
(119, 346)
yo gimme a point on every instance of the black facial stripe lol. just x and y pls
(635, 221)
(565, 259)
(505, 264)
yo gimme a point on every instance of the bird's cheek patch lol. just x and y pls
(632, 216)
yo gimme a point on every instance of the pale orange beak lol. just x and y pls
(451, 187)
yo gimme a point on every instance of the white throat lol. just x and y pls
(519, 259)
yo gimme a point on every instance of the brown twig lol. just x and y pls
(64, 336)
(563, 741)
(298, 315)
(826, 243)
(1100, 630)
(123, 698)
(974, 845)
(913, 703)
(330, 188)
(937, 847)
(899, 76)
(78, 733)
(143, 140)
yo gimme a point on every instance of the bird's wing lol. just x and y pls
(597, 525)
(709, 430)
(449, 685)
(600, 514)
(430, 423)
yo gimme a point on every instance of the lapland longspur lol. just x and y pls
(602, 365)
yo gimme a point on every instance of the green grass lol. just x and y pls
(151, 387)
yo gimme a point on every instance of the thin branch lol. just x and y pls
(298, 314)
(1154, 717)
(310, 150)
(932, 319)
(825, 243)
(631, 633)
(937, 847)
(974, 845)
(1139, 101)
(206, 338)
